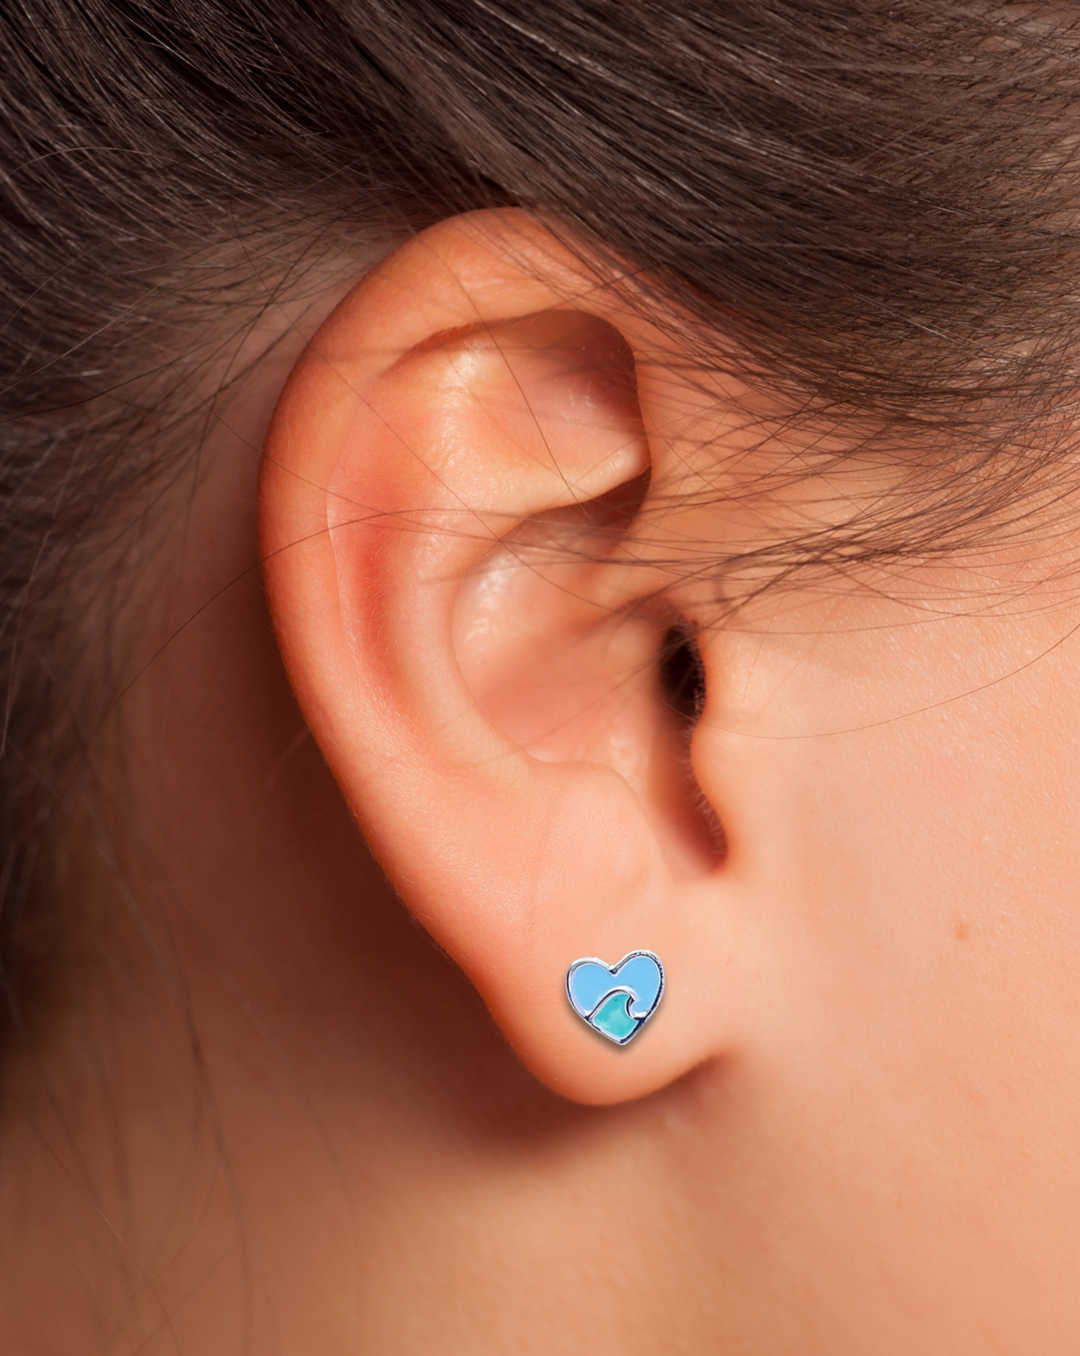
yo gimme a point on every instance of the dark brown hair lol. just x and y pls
(874, 204)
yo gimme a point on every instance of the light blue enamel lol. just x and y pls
(617, 999)
(589, 982)
(644, 978)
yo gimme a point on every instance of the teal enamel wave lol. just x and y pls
(613, 1019)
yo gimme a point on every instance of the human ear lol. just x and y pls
(447, 484)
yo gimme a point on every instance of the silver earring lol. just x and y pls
(616, 1000)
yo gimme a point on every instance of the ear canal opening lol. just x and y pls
(682, 675)
(682, 683)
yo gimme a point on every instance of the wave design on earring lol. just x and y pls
(616, 1000)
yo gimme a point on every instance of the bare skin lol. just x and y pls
(263, 1112)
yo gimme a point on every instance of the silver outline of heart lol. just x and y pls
(612, 972)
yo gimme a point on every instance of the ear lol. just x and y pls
(447, 486)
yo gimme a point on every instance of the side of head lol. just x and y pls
(661, 485)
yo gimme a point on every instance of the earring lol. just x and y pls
(616, 1000)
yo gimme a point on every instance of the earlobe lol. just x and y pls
(446, 484)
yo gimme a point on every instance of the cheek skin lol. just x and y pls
(910, 889)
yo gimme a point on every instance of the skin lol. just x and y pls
(262, 1112)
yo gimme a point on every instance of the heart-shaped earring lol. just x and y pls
(616, 1000)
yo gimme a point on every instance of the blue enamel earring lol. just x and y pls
(616, 1000)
